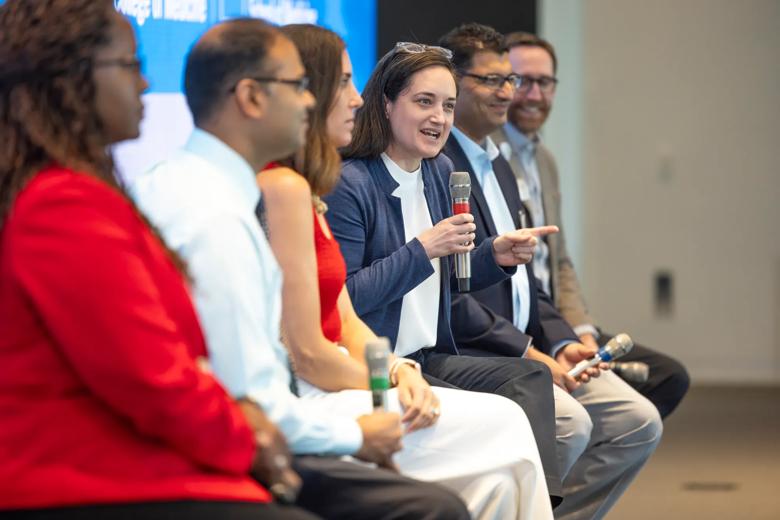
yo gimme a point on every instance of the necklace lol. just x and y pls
(319, 205)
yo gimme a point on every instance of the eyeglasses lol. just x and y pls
(496, 81)
(301, 84)
(414, 48)
(546, 84)
(134, 64)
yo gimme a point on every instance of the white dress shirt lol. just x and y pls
(203, 201)
(530, 186)
(420, 306)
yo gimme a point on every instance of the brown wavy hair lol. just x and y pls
(318, 161)
(47, 111)
(524, 39)
(468, 39)
(47, 94)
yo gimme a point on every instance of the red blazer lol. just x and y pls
(101, 400)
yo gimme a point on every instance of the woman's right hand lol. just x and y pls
(449, 236)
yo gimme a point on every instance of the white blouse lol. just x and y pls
(420, 306)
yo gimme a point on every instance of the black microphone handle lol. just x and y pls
(632, 371)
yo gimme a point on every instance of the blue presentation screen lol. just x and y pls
(167, 28)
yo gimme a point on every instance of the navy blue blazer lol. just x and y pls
(382, 266)
(545, 325)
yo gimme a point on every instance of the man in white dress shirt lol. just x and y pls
(246, 88)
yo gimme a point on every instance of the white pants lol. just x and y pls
(482, 447)
(605, 433)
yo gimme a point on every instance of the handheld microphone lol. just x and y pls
(460, 190)
(377, 359)
(615, 348)
(633, 371)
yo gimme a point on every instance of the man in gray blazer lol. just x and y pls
(534, 59)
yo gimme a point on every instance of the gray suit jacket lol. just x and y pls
(565, 287)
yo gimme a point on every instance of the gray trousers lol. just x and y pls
(605, 432)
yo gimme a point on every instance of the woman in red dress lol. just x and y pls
(294, 214)
(104, 411)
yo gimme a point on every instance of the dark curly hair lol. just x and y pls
(47, 95)
(470, 38)
(47, 109)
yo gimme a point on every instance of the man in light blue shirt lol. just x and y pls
(203, 200)
(605, 429)
(534, 166)
(246, 88)
(481, 160)
(530, 187)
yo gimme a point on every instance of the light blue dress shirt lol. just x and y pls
(481, 160)
(203, 201)
(531, 194)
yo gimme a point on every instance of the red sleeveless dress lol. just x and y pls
(332, 274)
(331, 271)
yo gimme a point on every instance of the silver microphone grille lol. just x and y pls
(460, 185)
(620, 345)
(377, 354)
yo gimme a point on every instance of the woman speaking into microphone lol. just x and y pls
(105, 411)
(478, 445)
(391, 214)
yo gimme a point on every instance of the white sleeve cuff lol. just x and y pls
(558, 346)
(346, 435)
(586, 328)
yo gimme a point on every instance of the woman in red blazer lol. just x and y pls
(104, 411)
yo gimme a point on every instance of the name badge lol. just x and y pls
(525, 193)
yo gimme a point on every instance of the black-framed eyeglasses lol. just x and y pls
(414, 48)
(546, 84)
(496, 81)
(135, 64)
(301, 84)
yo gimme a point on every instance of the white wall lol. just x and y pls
(671, 159)
(561, 21)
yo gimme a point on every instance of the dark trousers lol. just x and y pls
(668, 381)
(332, 489)
(191, 510)
(524, 381)
(336, 489)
